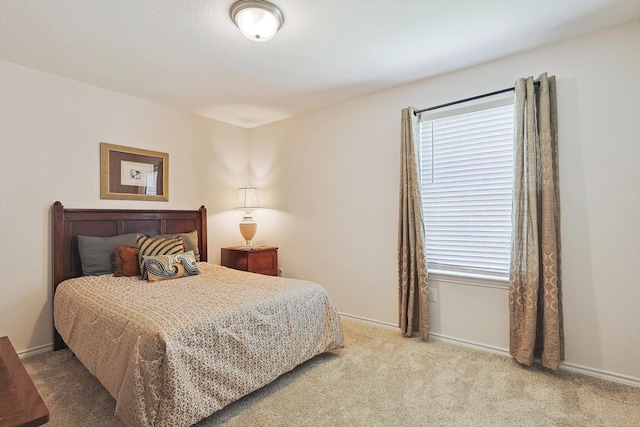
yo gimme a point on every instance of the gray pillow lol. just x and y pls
(96, 253)
(190, 241)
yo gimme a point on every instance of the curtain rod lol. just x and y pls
(473, 98)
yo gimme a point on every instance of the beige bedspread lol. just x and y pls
(174, 352)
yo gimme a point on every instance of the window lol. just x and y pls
(466, 173)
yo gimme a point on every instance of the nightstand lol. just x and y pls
(262, 259)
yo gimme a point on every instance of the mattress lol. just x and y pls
(173, 352)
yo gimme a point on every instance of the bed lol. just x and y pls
(173, 352)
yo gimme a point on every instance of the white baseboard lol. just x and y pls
(603, 375)
(571, 367)
(386, 325)
(470, 344)
(36, 350)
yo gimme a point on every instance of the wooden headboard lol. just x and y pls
(69, 223)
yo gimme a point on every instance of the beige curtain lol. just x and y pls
(535, 298)
(412, 264)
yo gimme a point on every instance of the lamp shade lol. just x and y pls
(258, 20)
(247, 198)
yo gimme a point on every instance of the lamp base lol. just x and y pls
(249, 246)
(248, 229)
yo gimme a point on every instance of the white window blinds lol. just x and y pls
(466, 172)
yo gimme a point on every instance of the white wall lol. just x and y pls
(332, 178)
(50, 130)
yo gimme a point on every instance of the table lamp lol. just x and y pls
(247, 200)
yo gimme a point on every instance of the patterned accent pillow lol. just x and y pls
(165, 267)
(125, 261)
(190, 241)
(154, 246)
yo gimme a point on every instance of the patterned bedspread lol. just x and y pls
(174, 352)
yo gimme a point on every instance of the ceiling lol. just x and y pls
(188, 54)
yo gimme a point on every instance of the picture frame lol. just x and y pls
(128, 173)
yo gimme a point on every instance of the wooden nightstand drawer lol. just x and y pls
(262, 260)
(264, 263)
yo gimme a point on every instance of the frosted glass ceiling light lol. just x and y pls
(258, 20)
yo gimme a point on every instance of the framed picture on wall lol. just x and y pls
(128, 173)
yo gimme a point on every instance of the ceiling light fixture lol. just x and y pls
(258, 20)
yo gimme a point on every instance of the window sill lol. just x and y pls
(469, 279)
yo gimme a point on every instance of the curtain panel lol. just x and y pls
(412, 262)
(535, 297)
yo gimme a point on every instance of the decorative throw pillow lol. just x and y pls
(190, 241)
(96, 253)
(125, 261)
(165, 267)
(154, 246)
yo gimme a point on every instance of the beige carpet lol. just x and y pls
(379, 379)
